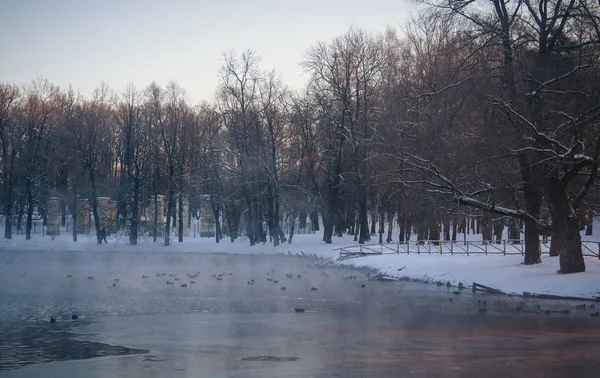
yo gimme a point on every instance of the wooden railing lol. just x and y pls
(444, 247)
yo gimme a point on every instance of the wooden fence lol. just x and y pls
(443, 247)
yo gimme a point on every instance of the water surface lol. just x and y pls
(236, 321)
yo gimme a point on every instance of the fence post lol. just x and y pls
(418, 248)
(468, 248)
(522, 248)
(398, 248)
(441, 247)
(407, 248)
(486, 244)
(504, 247)
(452, 247)
(598, 250)
(360, 249)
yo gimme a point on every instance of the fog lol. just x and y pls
(240, 315)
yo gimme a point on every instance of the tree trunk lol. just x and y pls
(446, 227)
(170, 205)
(455, 224)
(363, 218)
(182, 221)
(28, 222)
(293, 216)
(8, 210)
(408, 219)
(216, 214)
(232, 217)
(402, 225)
(590, 224)
(434, 232)
(302, 214)
(271, 222)
(328, 225)
(498, 229)
(356, 228)
(314, 220)
(134, 225)
(155, 220)
(95, 207)
(514, 232)
(373, 218)
(381, 224)
(20, 216)
(422, 233)
(486, 227)
(390, 226)
(565, 226)
(74, 210)
(533, 204)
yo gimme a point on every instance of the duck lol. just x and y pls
(282, 288)
(74, 316)
(52, 320)
(183, 285)
(313, 289)
(90, 278)
(144, 276)
(192, 282)
(363, 286)
(170, 283)
(297, 309)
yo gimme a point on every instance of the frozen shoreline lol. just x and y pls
(505, 273)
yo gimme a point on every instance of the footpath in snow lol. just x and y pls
(505, 273)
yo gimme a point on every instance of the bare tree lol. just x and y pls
(10, 143)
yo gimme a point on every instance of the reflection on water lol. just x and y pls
(234, 320)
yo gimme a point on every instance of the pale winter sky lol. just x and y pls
(84, 42)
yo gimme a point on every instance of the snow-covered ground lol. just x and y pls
(505, 273)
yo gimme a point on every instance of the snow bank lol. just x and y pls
(504, 273)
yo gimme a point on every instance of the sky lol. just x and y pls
(85, 42)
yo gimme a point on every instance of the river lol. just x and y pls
(270, 316)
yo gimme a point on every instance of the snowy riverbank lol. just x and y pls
(505, 273)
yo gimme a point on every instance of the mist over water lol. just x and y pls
(236, 312)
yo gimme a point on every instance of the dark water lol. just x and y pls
(223, 325)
